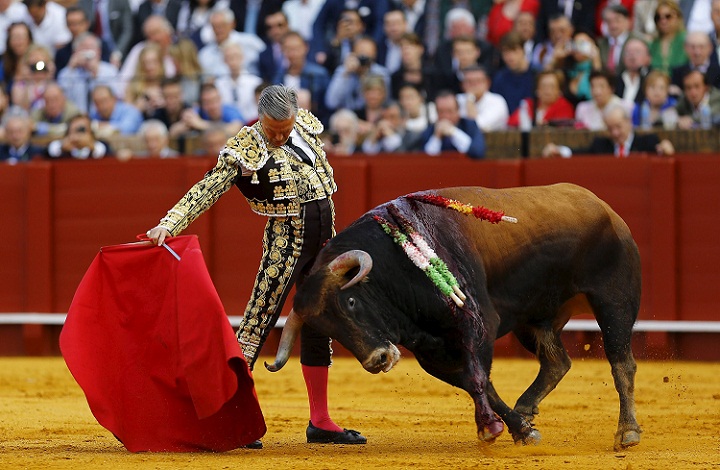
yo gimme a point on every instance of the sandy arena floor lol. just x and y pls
(411, 420)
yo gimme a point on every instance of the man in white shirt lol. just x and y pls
(210, 56)
(238, 87)
(636, 62)
(488, 109)
(47, 23)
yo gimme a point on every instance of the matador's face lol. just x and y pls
(277, 132)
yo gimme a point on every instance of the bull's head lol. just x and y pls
(334, 306)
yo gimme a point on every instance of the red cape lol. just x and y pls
(148, 341)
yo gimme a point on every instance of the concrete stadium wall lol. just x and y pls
(57, 215)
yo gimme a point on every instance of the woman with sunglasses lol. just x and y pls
(667, 49)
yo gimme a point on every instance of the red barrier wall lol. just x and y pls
(57, 216)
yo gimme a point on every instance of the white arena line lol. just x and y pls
(572, 325)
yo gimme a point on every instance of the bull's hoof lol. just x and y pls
(531, 438)
(626, 439)
(490, 432)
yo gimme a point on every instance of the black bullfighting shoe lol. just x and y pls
(253, 445)
(321, 436)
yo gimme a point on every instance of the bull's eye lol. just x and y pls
(351, 302)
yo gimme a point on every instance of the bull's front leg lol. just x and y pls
(489, 424)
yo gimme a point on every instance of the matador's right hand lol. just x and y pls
(158, 234)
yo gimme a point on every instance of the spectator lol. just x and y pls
(390, 133)
(271, 59)
(612, 46)
(636, 66)
(297, 72)
(416, 16)
(589, 113)
(210, 55)
(154, 135)
(344, 133)
(700, 57)
(622, 140)
(715, 33)
(489, 110)
(145, 90)
(19, 39)
(696, 13)
(465, 54)
(238, 88)
(301, 15)
(503, 14)
(250, 15)
(170, 9)
(375, 95)
(460, 23)
(112, 116)
(185, 55)
(328, 22)
(659, 105)
(85, 71)
(79, 142)
(524, 26)
(53, 117)
(156, 29)
(667, 50)
(78, 24)
(211, 111)
(36, 71)
(417, 112)
(581, 13)
(331, 52)
(113, 24)
(549, 107)
(18, 130)
(344, 89)
(194, 17)
(414, 68)
(389, 49)
(698, 98)
(452, 132)
(213, 140)
(11, 11)
(578, 62)
(171, 112)
(46, 20)
(516, 80)
(555, 49)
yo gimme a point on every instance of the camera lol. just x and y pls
(363, 60)
(38, 66)
(88, 55)
(582, 47)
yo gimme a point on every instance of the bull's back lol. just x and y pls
(561, 218)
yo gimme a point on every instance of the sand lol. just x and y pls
(411, 420)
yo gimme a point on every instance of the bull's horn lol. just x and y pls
(290, 332)
(349, 260)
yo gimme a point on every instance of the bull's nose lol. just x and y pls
(382, 359)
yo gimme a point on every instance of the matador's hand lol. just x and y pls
(158, 234)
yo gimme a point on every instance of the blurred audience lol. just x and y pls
(452, 132)
(19, 40)
(79, 142)
(589, 114)
(36, 71)
(46, 20)
(112, 21)
(209, 112)
(701, 57)
(78, 23)
(667, 48)
(18, 129)
(145, 90)
(549, 106)
(111, 116)
(657, 107)
(699, 106)
(636, 66)
(52, 118)
(344, 133)
(270, 61)
(516, 80)
(418, 112)
(489, 110)
(237, 89)
(390, 134)
(621, 142)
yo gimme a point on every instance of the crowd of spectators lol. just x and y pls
(382, 75)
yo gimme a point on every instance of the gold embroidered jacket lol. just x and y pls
(280, 181)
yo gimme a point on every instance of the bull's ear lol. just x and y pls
(350, 259)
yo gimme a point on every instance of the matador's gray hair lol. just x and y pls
(278, 102)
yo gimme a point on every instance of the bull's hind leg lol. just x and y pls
(616, 322)
(554, 364)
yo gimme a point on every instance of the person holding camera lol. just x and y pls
(345, 88)
(35, 73)
(86, 70)
(79, 142)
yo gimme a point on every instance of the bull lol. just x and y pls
(568, 245)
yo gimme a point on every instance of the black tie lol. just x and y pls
(300, 152)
